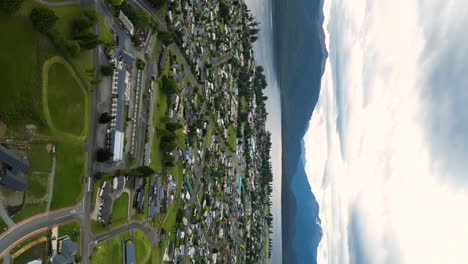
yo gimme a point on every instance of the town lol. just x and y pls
(148, 143)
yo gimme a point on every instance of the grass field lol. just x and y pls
(68, 175)
(64, 99)
(142, 248)
(154, 47)
(110, 251)
(106, 35)
(39, 158)
(35, 252)
(160, 109)
(29, 210)
(37, 186)
(20, 72)
(97, 227)
(36, 192)
(72, 230)
(120, 208)
(232, 137)
(209, 136)
(156, 255)
(67, 101)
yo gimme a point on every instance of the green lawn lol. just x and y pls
(160, 109)
(20, 102)
(142, 248)
(3, 226)
(232, 137)
(156, 255)
(106, 35)
(72, 230)
(29, 210)
(20, 67)
(97, 227)
(39, 158)
(66, 100)
(36, 193)
(68, 175)
(37, 186)
(209, 134)
(35, 252)
(154, 47)
(120, 208)
(110, 251)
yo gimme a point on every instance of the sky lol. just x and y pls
(263, 53)
(387, 144)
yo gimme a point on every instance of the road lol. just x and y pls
(149, 232)
(38, 223)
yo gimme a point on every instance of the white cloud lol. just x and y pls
(373, 160)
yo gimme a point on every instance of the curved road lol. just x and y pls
(37, 224)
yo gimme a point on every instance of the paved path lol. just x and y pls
(51, 184)
(64, 3)
(5, 217)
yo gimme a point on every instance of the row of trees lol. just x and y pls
(44, 20)
(10, 6)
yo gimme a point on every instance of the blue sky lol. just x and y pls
(387, 145)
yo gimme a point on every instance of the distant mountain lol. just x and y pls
(301, 56)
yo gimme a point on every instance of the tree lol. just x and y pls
(142, 19)
(68, 47)
(107, 70)
(105, 118)
(10, 6)
(167, 146)
(165, 119)
(136, 41)
(224, 11)
(43, 19)
(89, 40)
(103, 155)
(158, 3)
(145, 170)
(116, 2)
(140, 64)
(91, 15)
(166, 37)
(173, 126)
(169, 86)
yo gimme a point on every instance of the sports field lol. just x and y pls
(64, 97)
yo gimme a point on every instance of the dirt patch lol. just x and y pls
(30, 132)
(49, 147)
(3, 129)
(10, 197)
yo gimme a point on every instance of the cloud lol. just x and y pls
(385, 148)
